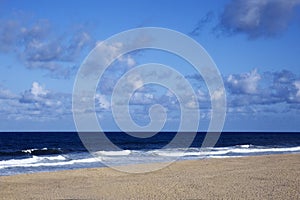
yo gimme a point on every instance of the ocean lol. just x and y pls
(31, 152)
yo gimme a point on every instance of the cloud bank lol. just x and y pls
(36, 104)
(248, 94)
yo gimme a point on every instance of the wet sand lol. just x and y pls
(261, 177)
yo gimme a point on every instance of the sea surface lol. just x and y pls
(31, 152)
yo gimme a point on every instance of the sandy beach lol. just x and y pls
(261, 177)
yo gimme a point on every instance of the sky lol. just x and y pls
(255, 45)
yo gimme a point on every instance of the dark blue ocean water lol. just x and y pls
(31, 152)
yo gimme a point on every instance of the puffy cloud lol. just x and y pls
(35, 94)
(57, 55)
(276, 92)
(63, 49)
(45, 101)
(295, 97)
(39, 51)
(252, 92)
(169, 100)
(38, 90)
(142, 98)
(105, 53)
(102, 102)
(135, 80)
(244, 83)
(257, 18)
(297, 85)
(281, 87)
(38, 46)
(37, 103)
(218, 94)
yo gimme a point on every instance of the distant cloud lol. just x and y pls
(257, 18)
(102, 101)
(142, 98)
(243, 83)
(295, 97)
(36, 104)
(247, 93)
(46, 103)
(281, 87)
(253, 92)
(7, 94)
(36, 94)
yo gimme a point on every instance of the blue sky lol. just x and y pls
(255, 45)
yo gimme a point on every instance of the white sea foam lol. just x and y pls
(245, 145)
(113, 153)
(37, 161)
(260, 150)
(143, 156)
(59, 157)
(222, 151)
(14, 162)
(28, 150)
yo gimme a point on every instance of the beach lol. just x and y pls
(257, 177)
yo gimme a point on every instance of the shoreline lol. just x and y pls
(262, 177)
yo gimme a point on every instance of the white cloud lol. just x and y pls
(130, 61)
(35, 104)
(191, 104)
(103, 55)
(201, 95)
(244, 83)
(258, 18)
(38, 90)
(37, 93)
(135, 80)
(297, 85)
(102, 101)
(141, 98)
(264, 92)
(38, 46)
(218, 94)
(295, 96)
(7, 94)
(38, 98)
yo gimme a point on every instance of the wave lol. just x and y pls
(37, 161)
(43, 151)
(35, 152)
(216, 152)
(113, 153)
(257, 150)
